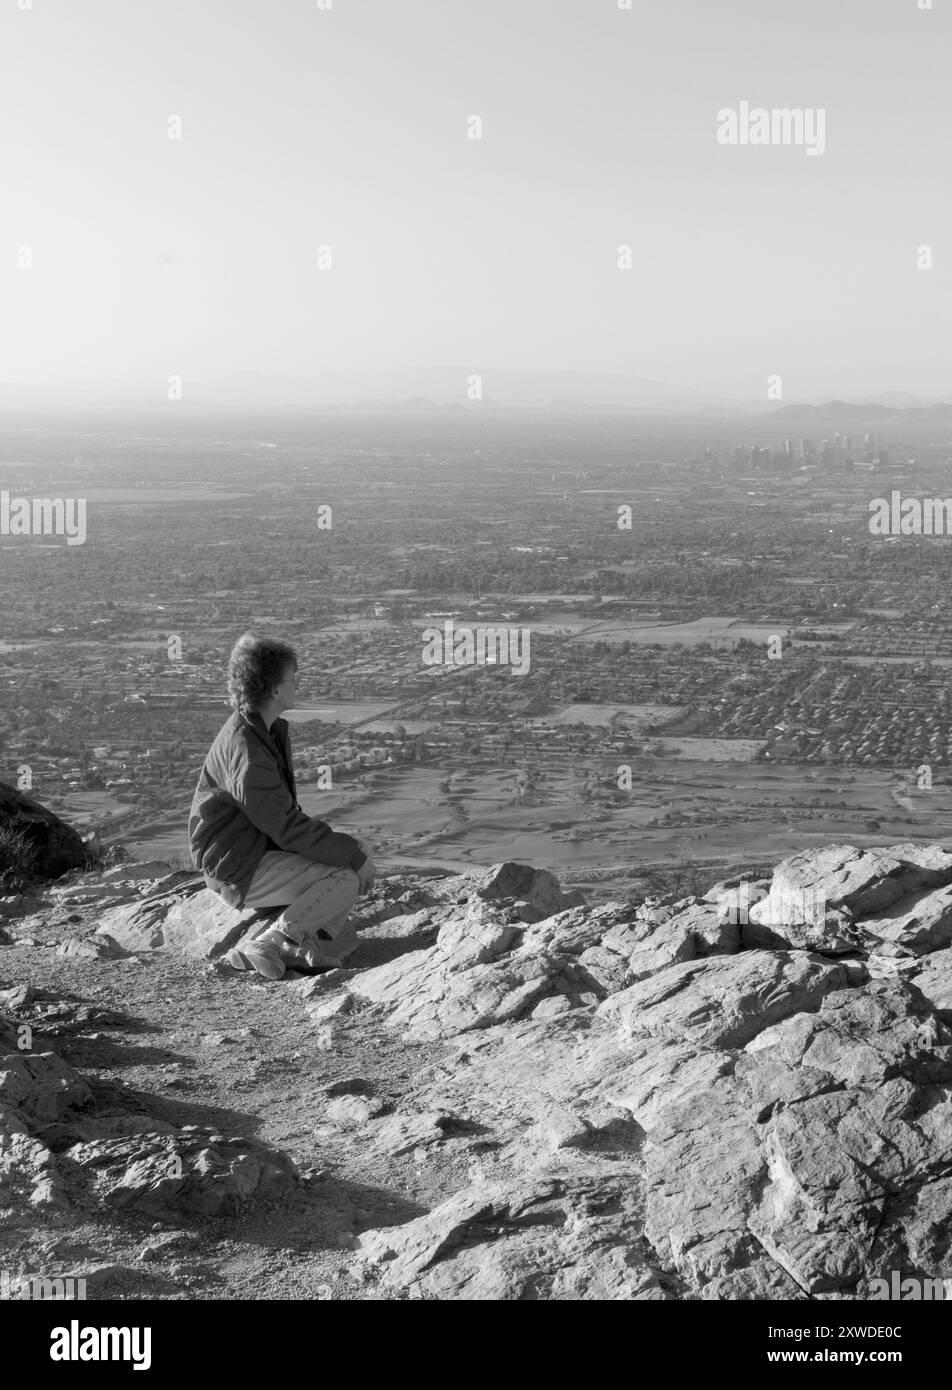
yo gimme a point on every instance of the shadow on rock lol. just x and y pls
(379, 951)
(101, 1051)
(363, 1207)
(324, 1213)
(116, 1097)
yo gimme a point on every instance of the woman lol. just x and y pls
(248, 835)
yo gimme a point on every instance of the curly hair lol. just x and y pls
(255, 667)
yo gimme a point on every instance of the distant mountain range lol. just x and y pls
(424, 388)
(448, 387)
(443, 389)
(858, 413)
(900, 399)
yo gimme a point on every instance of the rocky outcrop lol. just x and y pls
(482, 970)
(779, 1119)
(51, 847)
(489, 965)
(554, 1235)
(178, 911)
(659, 1101)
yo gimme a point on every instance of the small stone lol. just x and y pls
(19, 996)
(311, 1176)
(323, 1011)
(549, 1008)
(350, 1110)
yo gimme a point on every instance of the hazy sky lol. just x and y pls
(347, 127)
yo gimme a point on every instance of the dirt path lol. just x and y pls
(191, 1044)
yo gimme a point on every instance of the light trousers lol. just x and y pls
(316, 897)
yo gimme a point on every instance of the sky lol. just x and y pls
(347, 127)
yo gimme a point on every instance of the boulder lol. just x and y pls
(90, 948)
(164, 1172)
(920, 923)
(54, 848)
(776, 925)
(137, 926)
(537, 890)
(859, 883)
(201, 924)
(28, 1171)
(40, 1085)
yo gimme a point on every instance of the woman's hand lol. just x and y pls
(365, 878)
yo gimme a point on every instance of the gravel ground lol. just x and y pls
(192, 1043)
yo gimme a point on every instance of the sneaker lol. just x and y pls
(261, 956)
(310, 960)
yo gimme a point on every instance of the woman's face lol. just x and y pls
(286, 692)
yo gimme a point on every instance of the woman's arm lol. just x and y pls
(259, 789)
